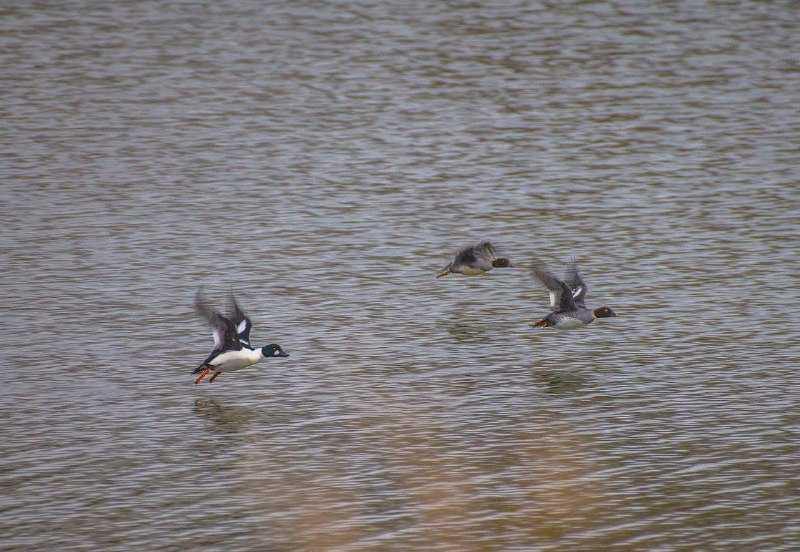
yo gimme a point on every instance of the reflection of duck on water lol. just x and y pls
(560, 381)
(464, 332)
(229, 419)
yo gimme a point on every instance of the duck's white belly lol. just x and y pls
(236, 360)
(570, 323)
(469, 271)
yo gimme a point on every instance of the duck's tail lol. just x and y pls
(206, 363)
(200, 368)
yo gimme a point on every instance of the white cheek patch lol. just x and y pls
(276, 353)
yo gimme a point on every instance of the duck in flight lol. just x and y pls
(567, 299)
(232, 349)
(475, 260)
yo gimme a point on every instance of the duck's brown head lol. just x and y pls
(604, 312)
(502, 262)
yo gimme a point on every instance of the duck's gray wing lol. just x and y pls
(486, 249)
(576, 283)
(224, 331)
(240, 320)
(560, 294)
(478, 256)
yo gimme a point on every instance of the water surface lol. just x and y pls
(324, 160)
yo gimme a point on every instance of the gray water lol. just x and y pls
(324, 160)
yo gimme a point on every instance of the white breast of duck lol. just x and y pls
(568, 323)
(230, 361)
(571, 319)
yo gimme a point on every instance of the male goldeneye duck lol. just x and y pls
(567, 299)
(232, 350)
(475, 260)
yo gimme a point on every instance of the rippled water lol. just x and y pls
(324, 159)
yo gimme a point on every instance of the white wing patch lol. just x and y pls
(577, 291)
(217, 337)
(242, 325)
(553, 299)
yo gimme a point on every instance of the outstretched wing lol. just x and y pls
(486, 249)
(240, 320)
(576, 283)
(224, 331)
(560, 294)
(481, 255)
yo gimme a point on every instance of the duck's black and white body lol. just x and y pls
(567, 300)
(475, 260)
(232, 349)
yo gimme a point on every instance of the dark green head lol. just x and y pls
(273, 350)
(604, 312)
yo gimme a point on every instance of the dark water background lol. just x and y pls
(324, 159)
